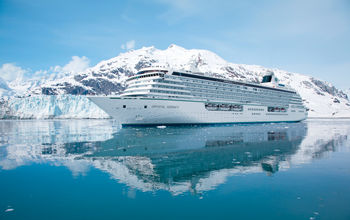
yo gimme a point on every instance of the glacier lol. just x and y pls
(62, 95)
(46, 107)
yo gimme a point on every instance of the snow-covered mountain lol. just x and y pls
(108, 77)
(347, 92)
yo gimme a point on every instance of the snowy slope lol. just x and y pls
(24, 86)
(347, 92)
(108, 77)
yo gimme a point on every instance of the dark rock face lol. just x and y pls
(123, 71)
(233, 73)
(97, 75)
(307, 84)
(335, 100)
(77, 90)
(102, 86)
(48, 91)
(93, 86)
(67, 88)
(328, 89)
(319, 93)
(144, 63)
(79, 77)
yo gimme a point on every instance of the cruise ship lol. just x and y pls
(161, 96)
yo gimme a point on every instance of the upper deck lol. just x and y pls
(153, 72)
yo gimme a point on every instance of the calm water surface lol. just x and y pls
(93, 169)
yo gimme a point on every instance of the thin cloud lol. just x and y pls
(10, 71)
(77, 64)
(178, 10)
(128, 45)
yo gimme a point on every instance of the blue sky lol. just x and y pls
(306, 36)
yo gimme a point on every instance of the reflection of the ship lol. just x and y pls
(177, 159)
(189, 153)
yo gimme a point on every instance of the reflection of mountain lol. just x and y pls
(180, 155)
(177, 159)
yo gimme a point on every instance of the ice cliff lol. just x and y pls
(45, 107)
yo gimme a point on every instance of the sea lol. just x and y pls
(96, 169)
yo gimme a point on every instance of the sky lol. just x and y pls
(311, 37)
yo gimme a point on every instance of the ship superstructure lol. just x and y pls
(162, 96)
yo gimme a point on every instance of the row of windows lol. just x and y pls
(138, 82)
(145, 76)
(276, 109)
(298, 106)
(223, 107)
(151, 71)
(156, 91)
(168, 87)
(154, 80)
(155, 86)
(137, 91)
(169, 92)
(167, 81)
(157, 106)
(137, 86)
(162, 106)
(256, 109)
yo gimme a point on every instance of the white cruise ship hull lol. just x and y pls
(148, 111)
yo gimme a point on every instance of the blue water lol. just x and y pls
(94, 169)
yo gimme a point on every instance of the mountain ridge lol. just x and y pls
(108, 77)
